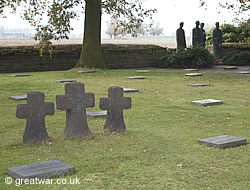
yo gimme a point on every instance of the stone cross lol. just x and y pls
(35, 111)
(75, 101)
(115, 103)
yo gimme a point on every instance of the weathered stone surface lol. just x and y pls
(143, 71)
(137, 77)
(22, 97)
(230, 67)
(190, 69)
(48, 169)
(62, 81)
(35, 111)
(224, 141)
(75, 101)
(193, 74)
(20, 75)
(115, 103)
(97, 114)
(244, 72)
(207, 102)
(131, 90)
(197, 85)
(87, 71)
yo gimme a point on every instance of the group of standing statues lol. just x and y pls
(199, 38)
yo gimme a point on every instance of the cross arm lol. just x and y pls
(105, 104)
(126, 103)
(64, 102)
(22, 111)
(49, 108)
(90, 99)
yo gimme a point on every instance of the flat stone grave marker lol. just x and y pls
(193, 74)
(197, 85)
(224, 141)
(62, 81)
(87, 71)
(131, 90)
(20, 75)
(136, 77)
(244, 72)
(207, 102)
(42, 170)
(190, 69)
(230, 67)
(143, 71)
(97, 114)
(22, 97)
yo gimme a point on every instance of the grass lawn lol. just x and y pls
(159, 149)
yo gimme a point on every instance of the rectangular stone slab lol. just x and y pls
(224, 141)
(230, 67)
(22, 97)
(143, 71)
(137, 77)
(207, 102)
(61, 81)
(190, 69)
(130, 90)
(193, 74)
(87, 71)
(244, 72)
(48, 169)
(197, 85)
(20, 75)
(97, 114)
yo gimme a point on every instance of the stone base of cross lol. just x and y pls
(115, 103)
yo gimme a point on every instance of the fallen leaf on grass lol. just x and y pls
(163, 157)
(47, 127)
(88, 180)
(144, 179)
(179, 165)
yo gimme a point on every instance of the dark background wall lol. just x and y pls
(28, 59)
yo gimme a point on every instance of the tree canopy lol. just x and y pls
(52, 19)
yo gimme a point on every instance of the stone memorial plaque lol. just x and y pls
(193, 74)
(131, 90)
(244, 72)
(22, 97)
(20, 75)
(62, 81)
(224, 141)
(230, 67)
(137, 77)
(48, 169)
(143, 71)
(97, 114)
(87, 71)
(190, 69)
(197, 85)
(207, 102)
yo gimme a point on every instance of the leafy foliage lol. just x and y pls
(231, 33)
(238, 58)
(195, 57)
(57, 25)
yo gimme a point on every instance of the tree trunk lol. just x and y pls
(91, 55)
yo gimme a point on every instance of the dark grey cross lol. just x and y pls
(75, 101)
(35, 111)
(115, 103)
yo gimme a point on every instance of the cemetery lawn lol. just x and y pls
(160, 149)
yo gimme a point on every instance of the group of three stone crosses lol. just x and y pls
(75, 101)
(199, 38)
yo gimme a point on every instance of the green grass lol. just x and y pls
(159, 150)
